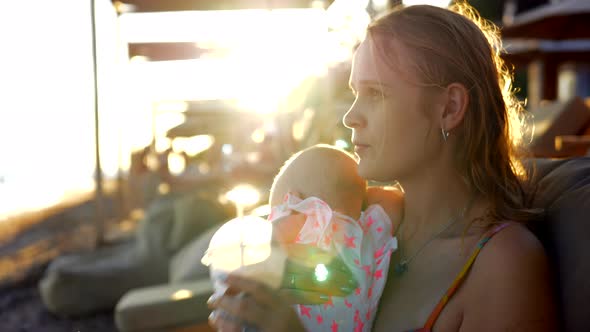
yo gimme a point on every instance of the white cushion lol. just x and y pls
(164, 307)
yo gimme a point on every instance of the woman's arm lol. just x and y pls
(509, 288)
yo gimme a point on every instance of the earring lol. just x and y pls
(445, 134)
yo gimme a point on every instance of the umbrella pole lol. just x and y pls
(98, 192)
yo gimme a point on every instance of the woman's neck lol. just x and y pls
(433, 199)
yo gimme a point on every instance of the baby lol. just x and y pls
(322, 184)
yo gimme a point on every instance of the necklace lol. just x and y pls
(401, 267)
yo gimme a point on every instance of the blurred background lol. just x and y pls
(105, 106)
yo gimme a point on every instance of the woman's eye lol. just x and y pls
(370, 93)
(373, 93)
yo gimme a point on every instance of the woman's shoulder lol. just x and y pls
(510, 244)
(509, 279)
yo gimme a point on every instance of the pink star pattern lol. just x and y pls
(327, 240)
(359, 326)
(348, 304)
(370, 292)
(378, 274)
(320, 319)
(379, 252)
(379, 229)
(316, 224)
(356, 261)
(335, 227)
(357, 291)
(334, 326)
(305, 311)
(349, 241)
(367, 269)
(370, 222)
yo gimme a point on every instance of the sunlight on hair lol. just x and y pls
(520, 124)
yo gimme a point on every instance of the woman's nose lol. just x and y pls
(352, 118)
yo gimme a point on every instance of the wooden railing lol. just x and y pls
(572, 145)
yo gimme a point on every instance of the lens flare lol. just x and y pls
(321, 272)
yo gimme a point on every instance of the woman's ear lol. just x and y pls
(456, 104)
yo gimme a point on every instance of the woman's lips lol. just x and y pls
(360, 148)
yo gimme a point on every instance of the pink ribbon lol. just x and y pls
(318, 227)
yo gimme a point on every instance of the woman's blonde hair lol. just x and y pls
(457, 45)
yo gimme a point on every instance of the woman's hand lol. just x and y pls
(262, 307)
(249, 302)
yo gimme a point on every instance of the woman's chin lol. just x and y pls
(365, 172)
(372, 174)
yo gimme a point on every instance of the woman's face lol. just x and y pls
(392, 120)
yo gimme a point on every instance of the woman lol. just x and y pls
(434, 111)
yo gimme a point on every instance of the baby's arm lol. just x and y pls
(390, 199)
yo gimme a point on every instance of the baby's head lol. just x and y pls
(324, 172)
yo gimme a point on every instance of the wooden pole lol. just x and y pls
(99, 192)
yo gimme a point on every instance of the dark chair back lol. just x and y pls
(562, 188)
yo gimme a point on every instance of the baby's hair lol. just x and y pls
(325, 172)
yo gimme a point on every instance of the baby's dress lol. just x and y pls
(365, 246)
